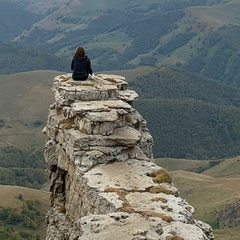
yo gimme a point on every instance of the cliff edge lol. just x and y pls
(104, 182)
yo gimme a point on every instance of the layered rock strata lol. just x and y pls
(104, 182)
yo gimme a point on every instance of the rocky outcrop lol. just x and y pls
(229, 216)
(104, 182)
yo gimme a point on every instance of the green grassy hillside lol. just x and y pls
(174, 164)
(22, 213)
(25, 99)
(227, 168)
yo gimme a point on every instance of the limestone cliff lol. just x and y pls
(104, 182)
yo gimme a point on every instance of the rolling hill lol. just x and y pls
(20, 210)
(173, 164)
(228, 168)
(25, 98)
(209, 196)
(214, 193)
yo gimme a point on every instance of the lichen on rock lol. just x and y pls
(104, 182)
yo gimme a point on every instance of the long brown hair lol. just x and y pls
(80, 52)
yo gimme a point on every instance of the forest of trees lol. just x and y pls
(22, 168)
(15, 58)
(189, 116)
(219, 58)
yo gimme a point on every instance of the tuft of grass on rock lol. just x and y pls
(161, 176)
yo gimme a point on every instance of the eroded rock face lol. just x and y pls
(104, 182)
(229, 217)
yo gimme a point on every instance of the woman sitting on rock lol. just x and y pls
(81, 65)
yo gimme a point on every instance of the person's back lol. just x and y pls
(81, 65)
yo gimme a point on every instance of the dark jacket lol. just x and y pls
(81, 67)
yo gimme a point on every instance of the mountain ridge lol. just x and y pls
(118, 36)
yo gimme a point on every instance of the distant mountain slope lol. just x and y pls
(199, 36)
(189, 116)
(15, 59)
(174, 164)
(228, 168)
(172, 83)
(24, 101)
(14, 19)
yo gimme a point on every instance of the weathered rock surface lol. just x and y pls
(229, 217)
(104, 182)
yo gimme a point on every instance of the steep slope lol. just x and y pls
(14, 19)
(18, 16)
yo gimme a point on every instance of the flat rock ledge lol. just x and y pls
(104, 182)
